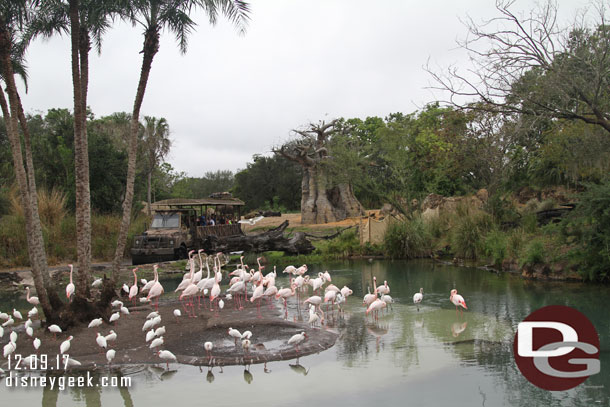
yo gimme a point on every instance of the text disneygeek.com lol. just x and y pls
(63, 382)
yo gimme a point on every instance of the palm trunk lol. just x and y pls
(36, 249)
(81, 161)
(151, 47)
(149, 192)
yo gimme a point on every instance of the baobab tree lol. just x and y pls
(322, 200)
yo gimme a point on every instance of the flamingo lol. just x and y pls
(29, 331)
(285, 293)
(237, 289)
(157, 289)
(388, 300)
(167, 356)
(4, 316)
(96, 283)
(290, 269)
(177, 314)
(65, 345)
(368, 298)
(457, 300)
(376, 306)
(32, 300)
(133, 290)
(346, 292)
(384, 289)
(418, 297)
(70, 287)
(190, 290)
(55, 330)
(258, 295)
(116, 303)
(297, 339)
(215, 292)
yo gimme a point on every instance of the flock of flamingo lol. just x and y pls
(196, 290)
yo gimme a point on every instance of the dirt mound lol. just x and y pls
(185, 336)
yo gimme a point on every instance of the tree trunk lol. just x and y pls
(151, 47)
(272, 240)
(36, 249)
(81, 162)
(149, 192)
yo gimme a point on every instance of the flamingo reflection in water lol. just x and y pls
(378, 330)
(457, 328)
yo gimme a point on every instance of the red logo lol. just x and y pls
(556, 348)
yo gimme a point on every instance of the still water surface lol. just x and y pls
(429, 357)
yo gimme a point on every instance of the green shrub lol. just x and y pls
(589, 228)
(468, 231)
(514, 243)
(407, 239)
(495, 246)
(533, 254)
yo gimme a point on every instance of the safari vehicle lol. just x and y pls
(176, 227)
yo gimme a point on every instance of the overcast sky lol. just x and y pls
(233, 96)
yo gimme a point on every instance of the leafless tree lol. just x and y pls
(529, 64)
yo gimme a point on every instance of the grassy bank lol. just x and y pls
(59, 231)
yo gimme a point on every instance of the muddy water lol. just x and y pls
(428, 357)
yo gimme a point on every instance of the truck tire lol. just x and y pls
(181, 253)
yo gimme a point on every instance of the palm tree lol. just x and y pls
(153, 16)
(13, 17)
(86, 21)
(156, 144)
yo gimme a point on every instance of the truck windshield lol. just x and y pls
(166, 220)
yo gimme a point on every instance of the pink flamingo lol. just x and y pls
(457, 300)
(156, 290)
(32, 300)
(70, 287)
(258, 295)
(133, 290)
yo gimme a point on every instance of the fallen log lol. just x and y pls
(271, 240)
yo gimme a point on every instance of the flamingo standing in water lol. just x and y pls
(457, 300)
(418, 297)
(32, 300)
(208, 346)
(70, 287)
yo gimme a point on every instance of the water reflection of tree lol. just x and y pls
(91, 395)
(352, 345)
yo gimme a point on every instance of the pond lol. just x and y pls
(429, 357)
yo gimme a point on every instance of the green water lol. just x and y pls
(426, 358)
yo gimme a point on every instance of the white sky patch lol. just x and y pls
(234, 96)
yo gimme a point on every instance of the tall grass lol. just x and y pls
(59, 231)
(408, 239)
(468, 231)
